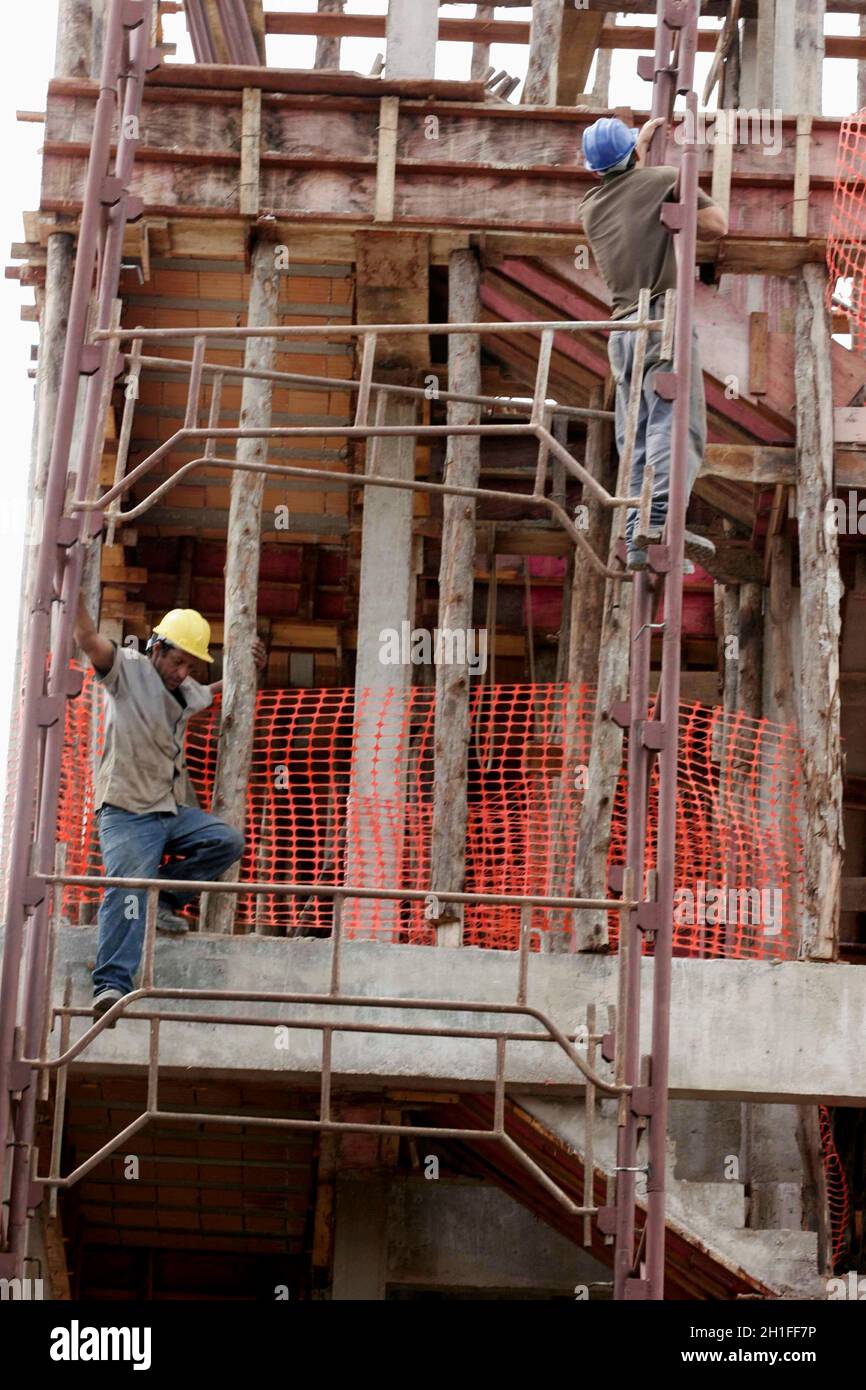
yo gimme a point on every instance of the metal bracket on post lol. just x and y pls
(67, 532)
(35, 1194)
(33, 893)
(153, 60)
(643, 1102)
(666, 385)
(652, 734)
(134, 212)
(658, 558)
(112, 191)
(606, 1220)
(608, 1047)
(647, 917)
(132, 13)
(620, 714)
(49, 710)
(90, 359)
(636, 1290)
(615, 878)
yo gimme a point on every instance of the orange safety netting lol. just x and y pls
(846, 241)
(837, 1186)
(341, 791)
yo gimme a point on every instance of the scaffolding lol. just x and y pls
(73, 515)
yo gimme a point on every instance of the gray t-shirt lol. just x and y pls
(632, 249)
(142, 768)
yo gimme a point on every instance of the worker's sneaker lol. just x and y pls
(698, 548)
(651, 536)
(103, 1001)
(169, 923)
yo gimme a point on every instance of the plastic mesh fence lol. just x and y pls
(341, 791)
(846, 244)
(837, 1186)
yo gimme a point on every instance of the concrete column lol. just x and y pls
(381, 690)
(361, 1238)
(411, 32)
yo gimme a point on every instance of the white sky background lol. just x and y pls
(24, 88)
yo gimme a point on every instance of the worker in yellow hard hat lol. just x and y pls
(145, 804)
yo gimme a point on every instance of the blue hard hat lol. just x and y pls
(606, 142)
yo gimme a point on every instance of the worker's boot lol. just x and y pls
(698, 548)
(168, 923)
(103, 1002)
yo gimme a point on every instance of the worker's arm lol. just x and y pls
(712, 222)
(97, 648)
(260, 657)
(644, 139)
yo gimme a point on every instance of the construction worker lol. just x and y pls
(145, 803)
(634, 251)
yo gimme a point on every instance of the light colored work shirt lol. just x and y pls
(142, 768)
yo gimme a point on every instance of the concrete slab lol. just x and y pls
(793, 1032)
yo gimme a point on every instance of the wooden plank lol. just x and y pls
(327, 43)
(849, 425)
(580, 37)
(759, 324)
(800, 216)
(251, 151)
(386, 161)
(723, 166)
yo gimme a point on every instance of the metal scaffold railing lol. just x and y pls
(639, 1082)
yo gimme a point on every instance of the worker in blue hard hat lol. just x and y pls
(145, 803)
(634, 251)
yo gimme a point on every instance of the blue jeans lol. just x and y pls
(655, 418)
(133, 847)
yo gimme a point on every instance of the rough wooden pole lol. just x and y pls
(587, 593)
(751, 635)
(456, 580)
(861, 68)
(74, 38)
(481, 51)
(235, 746)
(799, 56)
(600, 95)
(820, 600)
(542, 73)
(327, 45)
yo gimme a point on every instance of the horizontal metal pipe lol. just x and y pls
(181, 365)
(330, 890)
(359, 330)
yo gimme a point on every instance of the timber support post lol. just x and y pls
(820, 605)
(456, 582)
(240, 678)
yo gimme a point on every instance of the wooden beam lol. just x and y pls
(821, 592)
(251, 152)
(800, 217)
(386, 162)
(542, 74)
(456, 580)
(580, 36)
(485, 17)
(235, 744)
(759, 332)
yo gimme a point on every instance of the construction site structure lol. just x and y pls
(539, 975)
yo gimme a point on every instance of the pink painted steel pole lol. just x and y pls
(670, 698)
(33, 740)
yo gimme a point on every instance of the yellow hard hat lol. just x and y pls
(187, 629)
